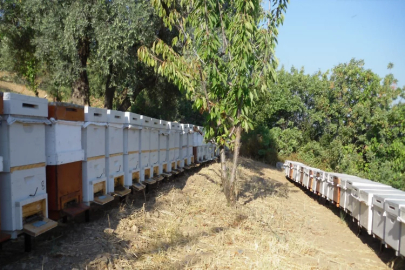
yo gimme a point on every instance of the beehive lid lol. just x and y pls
(65, 111)
(133, 118)
(155, 123)
(92, 114)
(115, 117)
(147, 121)
(164, 124)
(175, 126)
(24, 105)
(396, 207)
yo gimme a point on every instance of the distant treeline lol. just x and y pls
(344, 120)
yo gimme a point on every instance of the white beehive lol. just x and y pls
(176, 130)
(171, 157)
(402, 228)
(23, 196)
(324, 185)
(378, 212)
(184, 144)
(362, 204)
(287, 167)
(345, 190)
(94, 164)
(93, 132)
(145, 148)
(114, 150)
(358, 182)
(63, 142)
(132, 143)
(154, 146)
(394, 233)
(190, 144)
(164, 132)
(22, 130)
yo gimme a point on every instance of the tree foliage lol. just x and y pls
(343, 120)
(227, 57)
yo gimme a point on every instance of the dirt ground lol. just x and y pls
(185, 223)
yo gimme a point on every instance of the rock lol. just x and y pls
(279, 166)
(135, 229)
(108, 231)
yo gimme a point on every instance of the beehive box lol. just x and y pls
(93, 132)
(95, 181)
(115, 153)
(324, 185)
(345, 192)
(175, 130)
(164, 132)
(63, 136)
(190, 136)
(358, 182)
(132, 143)
(154, 146)
(22, 131)
(64, 187)
(394, 233)
(94, 165)
(184, 144)
(378, 212)
(402, 229)
(24, 201)
(362, 204)
(145, 148)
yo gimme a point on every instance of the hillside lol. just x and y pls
(185, 223)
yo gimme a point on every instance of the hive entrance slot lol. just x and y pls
(135, 177)
(155, 170)
(119, 188)
(165, 168)
(100, 193)
(173, 165)
(147, 173)
(37, 208)
(71, 203)
(71, 110)
(28, 105)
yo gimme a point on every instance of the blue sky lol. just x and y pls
(320, 34)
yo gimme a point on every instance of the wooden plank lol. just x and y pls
(116, 154)
(138, 186)
(38, 207)
(166, 174)
(122, 192)
(158, 178)
(27, 167)
(103, 199)
(34, 229)
(75, 210)
(95, 158)
(150, 181)
(65, 111)
(99, 187)
(132, 152)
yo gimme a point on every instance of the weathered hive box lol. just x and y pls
(154, 147)
(22, 131)
(358, 182)
(64, 155)
(164, 132)
(24, 201)
(316, 184)
(114, 150)
(296, 171)
(308, 177)
(379, 219)
(190, 136)
(184, 144)
(176, 130)
(402, 227)
(63, 136)
(300, 174)
(132, 143)
(362, 204)
(394, 233)
(94, 165)
(145, 148)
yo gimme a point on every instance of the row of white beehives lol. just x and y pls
(378, 208)
(117, 150)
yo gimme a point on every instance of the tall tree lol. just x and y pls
(227, 56)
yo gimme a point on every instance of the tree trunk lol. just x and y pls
(125, 104)
(80, 88)
(109, 90)
(223, 166)
(232, 194)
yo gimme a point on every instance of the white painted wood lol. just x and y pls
(132, 132)
(114, 132)
(1, 163)
(402, 229)
(94, 172)
(114, 168)
(358, 182)
(92, 114)
(145, 145)
(378, 212)
(176, 130)
(17, 104)
(22, 142)
(190, 136)
(164, 132)
(63, 142)
(394, 233)
(131, 165)
(17, 189)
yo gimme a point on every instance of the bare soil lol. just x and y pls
(185, 223)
